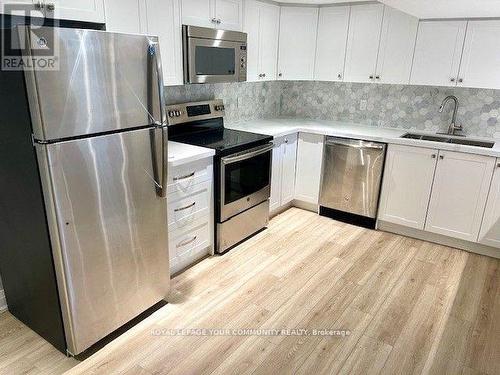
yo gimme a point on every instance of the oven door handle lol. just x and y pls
(247, 154)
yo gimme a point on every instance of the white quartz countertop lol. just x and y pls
(180, 153)
(282, 126)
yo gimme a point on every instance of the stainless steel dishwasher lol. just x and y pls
(351, 179)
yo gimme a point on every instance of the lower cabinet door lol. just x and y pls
(407, 183)
(289, 156)
(275, 199)
(459, 194)
(490, 228)
(308, 173)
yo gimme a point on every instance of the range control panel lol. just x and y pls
(188, 112)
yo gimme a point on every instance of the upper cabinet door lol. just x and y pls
(437, 52)
(262, 26)
(198, 13)
(268, 40)
(251, 26)
(297, 43)
(163, 20)
(126, 16)
(459, 194)
(397, 43)
(229, 14)
(363, 42)
(331, 44)
(480, 65)
(490, 228)
(77, 10)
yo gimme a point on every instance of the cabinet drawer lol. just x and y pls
(184, 243)
(183, 178)
(184, 210)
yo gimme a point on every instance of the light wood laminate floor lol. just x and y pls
(411, 307)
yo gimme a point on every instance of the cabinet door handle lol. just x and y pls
(441, 157)
(433, 156)
(371, 77)
(184, 243)
(184, 177)
(339, 76)
(377, 77)
(280, 74)
(452, 79)
(51, 7)
(460, 80)
(185, 207)
(498, 165)
(39, 5)
(213, 20)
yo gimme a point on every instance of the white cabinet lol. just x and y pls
(480, 66)
(308, 170)
(277, 164)
(459, 194)
(190, 213)
(262, 26)
(363, 42)
(437, 52)
(283, 171)
(163, 20)
(333, 24)
(397, 42)
(490, 228)
(152, 17)
(297, 43)
(229, 14)
(126, 16)
(220, 14)
(198, 13)
(406, 188)
(77, 10)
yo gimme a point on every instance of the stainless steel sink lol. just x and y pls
(444, 139)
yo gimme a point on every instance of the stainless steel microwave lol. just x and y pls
(212, 56)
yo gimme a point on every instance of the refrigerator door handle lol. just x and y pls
(159, 149)
(160, 137)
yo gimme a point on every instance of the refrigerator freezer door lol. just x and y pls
(104, 82)
(108, 229)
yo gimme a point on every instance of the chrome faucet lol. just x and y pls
(453, 128)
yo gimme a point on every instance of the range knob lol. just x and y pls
(171, 113)
(219, 107)
(177, 113)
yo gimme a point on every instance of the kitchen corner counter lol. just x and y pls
(278, 127)
(180, 153)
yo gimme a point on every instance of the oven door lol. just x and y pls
(212, 61)
(245, 180)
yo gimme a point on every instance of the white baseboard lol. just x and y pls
(439, 239)
(3, 301)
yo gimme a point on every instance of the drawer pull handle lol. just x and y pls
(185, 207)
(184, 177)
(184, 243)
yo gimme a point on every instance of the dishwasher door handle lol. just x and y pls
(357, 144)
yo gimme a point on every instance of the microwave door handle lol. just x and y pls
(247, 155)
(159, 132)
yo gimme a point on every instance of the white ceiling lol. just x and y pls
(430, 8)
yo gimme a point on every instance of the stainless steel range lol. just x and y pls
(242, 168)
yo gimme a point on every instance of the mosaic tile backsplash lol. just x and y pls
(395, 106)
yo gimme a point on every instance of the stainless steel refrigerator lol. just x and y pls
(98, 150)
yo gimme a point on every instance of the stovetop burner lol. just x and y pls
(207, 130)
(222, 140)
